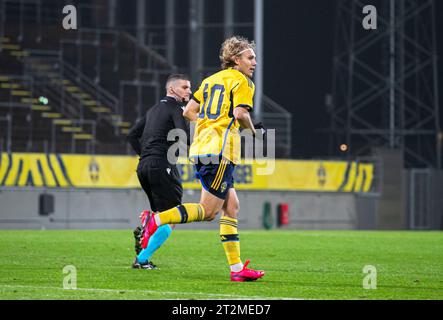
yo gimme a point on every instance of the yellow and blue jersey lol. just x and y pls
(217, 131)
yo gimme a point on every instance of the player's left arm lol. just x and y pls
(243, 102)
(244, 119)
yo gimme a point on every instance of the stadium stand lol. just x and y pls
(98, 80)
(59, 89)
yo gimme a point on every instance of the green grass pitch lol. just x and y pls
(298, 265)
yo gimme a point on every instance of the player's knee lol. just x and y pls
(210, 212)
(236, 208)
(211, 215)
(232, 211)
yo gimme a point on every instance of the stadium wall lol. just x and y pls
(119, 209)
(102, 192)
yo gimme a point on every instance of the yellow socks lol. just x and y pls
(230, 240)
(183, 213)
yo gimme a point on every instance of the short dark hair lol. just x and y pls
(176, 76)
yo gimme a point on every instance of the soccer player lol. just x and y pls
(220, 106)
(158, 177)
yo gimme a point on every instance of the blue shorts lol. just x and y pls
(217, 179)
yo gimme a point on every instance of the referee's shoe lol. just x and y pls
(148, 265)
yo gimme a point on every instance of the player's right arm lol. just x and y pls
(191, 111)
(193, 107)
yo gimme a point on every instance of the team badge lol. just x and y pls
(223, 186)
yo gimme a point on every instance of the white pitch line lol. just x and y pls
(232, 296)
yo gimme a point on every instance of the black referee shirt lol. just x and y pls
(148, 137)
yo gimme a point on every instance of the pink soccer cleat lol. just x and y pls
(144, 218)
(246, 274)
(149, 230)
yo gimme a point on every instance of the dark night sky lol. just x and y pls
(299, 49)
(299, 39)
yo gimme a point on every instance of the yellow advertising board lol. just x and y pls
(87, 171)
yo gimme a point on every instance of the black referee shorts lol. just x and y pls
(161, 182)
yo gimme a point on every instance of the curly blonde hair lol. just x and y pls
(232, 47)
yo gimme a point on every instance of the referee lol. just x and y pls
(159, 179)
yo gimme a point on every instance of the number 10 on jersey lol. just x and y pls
(216, 96)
